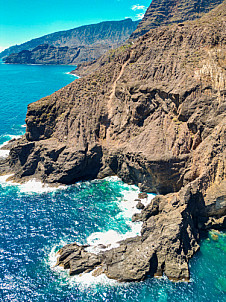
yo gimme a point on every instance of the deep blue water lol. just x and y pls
(34, 225)
(24, 84)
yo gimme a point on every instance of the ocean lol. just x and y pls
(35, 221)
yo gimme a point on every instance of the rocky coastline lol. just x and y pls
(152, 113)
(170, 236)
(70, 47)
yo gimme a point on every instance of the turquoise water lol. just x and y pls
(34, 225)
(24, 84)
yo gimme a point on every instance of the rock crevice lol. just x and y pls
(163, 130)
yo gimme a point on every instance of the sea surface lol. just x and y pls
(35, 221)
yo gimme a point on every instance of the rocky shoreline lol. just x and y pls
(152, 113)
(165, 249)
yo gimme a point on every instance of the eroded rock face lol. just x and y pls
(81, 44)
(163, 249)
(169, 238)
(153, 114)
(49, 54)
(165, 12)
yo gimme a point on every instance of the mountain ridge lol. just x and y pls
(159, 13)
(48, 54)
(100, 37)
(166, 12)
(152, 113)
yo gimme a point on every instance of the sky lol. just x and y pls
(23, 20)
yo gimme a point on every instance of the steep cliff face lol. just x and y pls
(152, 113)
(165, 12)
(76, 45)
(47, 54)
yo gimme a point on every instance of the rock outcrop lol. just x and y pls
(166, 12)
(152, 113)
(165, 248)
(85, 43)
(159, 13)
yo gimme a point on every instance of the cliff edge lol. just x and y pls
(153, 113)
(166, 12)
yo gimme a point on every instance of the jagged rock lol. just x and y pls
(142, 195)
(140, 205)
(75, 258)
(166, 248)
(214, 223)
(165, 12)
(152, 113)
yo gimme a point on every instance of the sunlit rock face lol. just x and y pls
(82, 44)
(152, 113)
(165, 12)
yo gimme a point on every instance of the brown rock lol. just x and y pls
(140, 206)
(152, 113)
(142, 195)
(165, 12)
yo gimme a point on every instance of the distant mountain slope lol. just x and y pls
(48, 54)
(102, 35)
(164, 12)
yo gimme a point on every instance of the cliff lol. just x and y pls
(76, 45)
(152, 113)
(165, 12)
(47, 54)
(158, 14)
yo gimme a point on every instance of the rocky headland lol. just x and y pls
(152, 113)
(82, 44)
(48, 54)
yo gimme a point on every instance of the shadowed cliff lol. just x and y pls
(152, 113)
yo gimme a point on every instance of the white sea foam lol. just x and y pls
(31, 186)
(72, 74)
(83, 280)
(3, 180)
(5, 153)
(100, 241)
(36, 186)
(10, 136)
(110, 239)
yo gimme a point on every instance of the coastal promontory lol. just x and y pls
(81, 44)
(153, 113)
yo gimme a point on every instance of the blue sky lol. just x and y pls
(22, 20)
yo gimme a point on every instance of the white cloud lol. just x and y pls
(138, 7)
(2, 48)
(140, 16)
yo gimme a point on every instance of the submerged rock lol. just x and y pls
(140, 205)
